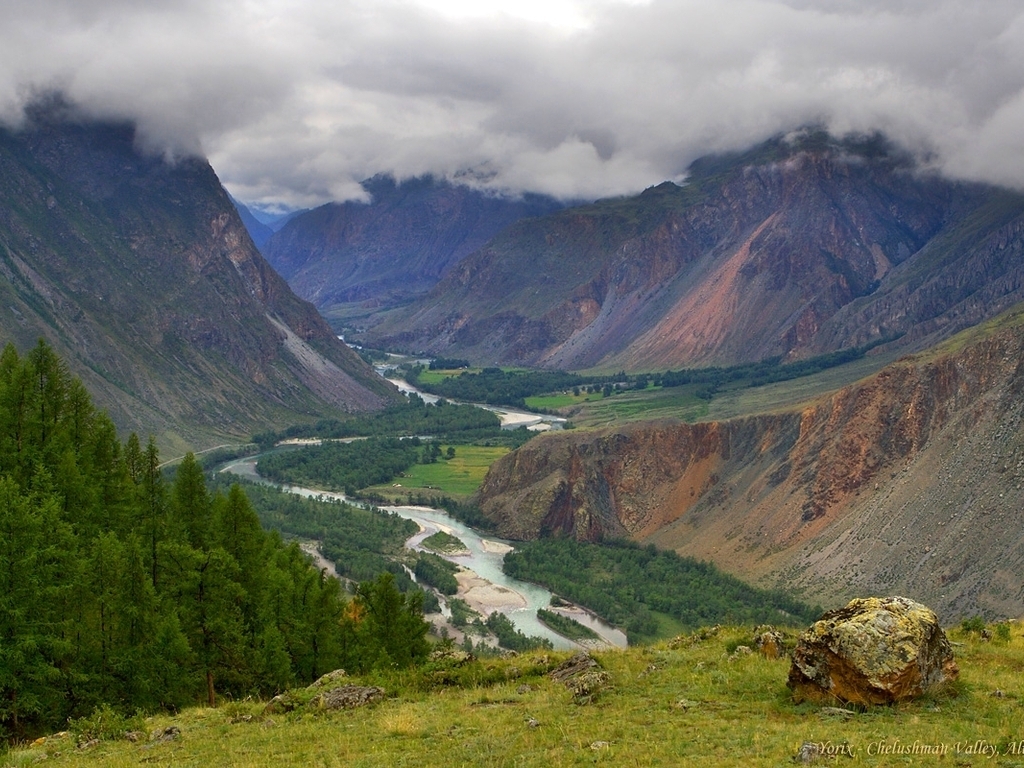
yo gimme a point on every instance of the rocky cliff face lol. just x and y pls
(909, 482)
(792, 249)
(139, 272)
(396, 246)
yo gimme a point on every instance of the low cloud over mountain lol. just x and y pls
(298, 102)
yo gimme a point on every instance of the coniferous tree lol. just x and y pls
(152, 508)
(116, 588)
(191, 503)
(392, 628)
(33, 590)
(134, 459)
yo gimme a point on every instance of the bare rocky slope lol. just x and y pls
(909, 482)
(798, 247)
(139, 272)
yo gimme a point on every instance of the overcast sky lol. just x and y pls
(295, 101)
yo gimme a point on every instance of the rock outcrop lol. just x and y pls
(347, 697)
(908, 481)
(873, 651)
(769, 642)
(583, 676)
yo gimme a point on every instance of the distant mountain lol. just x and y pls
(794, 248)
(258, 231)
(139, 272)
(909, 482)
(354, 259)
(276, 221)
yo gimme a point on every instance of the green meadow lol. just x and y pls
(459, 476)
(689, 702)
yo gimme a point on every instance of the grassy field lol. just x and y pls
(681, 403)
(428, 376)
(690, 705)
(560, 400)
(459, 476)
(788, 394)
(674, 403)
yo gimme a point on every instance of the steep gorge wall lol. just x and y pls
(909, 481)
(140, 274)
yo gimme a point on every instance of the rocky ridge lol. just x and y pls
(905, 482)
(797, 247)
(139, 272)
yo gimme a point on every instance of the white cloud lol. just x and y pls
(296, 102)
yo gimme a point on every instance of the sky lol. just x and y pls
(295, 102)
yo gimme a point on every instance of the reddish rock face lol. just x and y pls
(908, 481)
(873, 651)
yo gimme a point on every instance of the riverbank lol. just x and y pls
(510, 417)
(483, 583)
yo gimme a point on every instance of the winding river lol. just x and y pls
(510, 417)
(484, 585)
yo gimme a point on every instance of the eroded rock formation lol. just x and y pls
(908, 481)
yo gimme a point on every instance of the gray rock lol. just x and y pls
(282, 703)
(582, 675)
(347, 697)
(768, 641)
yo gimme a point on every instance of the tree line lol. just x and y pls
(627, 584)
(445, 422)
(119, 586)
(496, 386)
(344, 466)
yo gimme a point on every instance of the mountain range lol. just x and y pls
(903, 482)
(138, 271)
(800, 246)
(356, 259)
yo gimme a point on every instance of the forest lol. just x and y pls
(345, 466)
(362, 543)
(120, 587)
(446, 422)
(627, 585)
(497, 386)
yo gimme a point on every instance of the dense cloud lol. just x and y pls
(297, 101)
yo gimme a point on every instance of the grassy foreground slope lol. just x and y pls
(680, 703)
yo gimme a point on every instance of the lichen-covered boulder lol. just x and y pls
(347, 697)
(876, 650)
(583, 676)
(330, 680)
